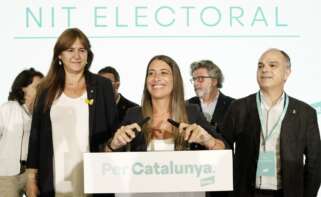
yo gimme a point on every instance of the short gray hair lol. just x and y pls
(213, 70)
(286, 57)
(284, 54)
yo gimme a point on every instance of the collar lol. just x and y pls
(26, 110)
(213, 101)
(264, 104)
(118, 98)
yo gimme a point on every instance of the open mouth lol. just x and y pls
(158, 86)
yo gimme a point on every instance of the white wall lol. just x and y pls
(291, 25)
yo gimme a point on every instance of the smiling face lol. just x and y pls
(74, 58)
(273, 70)
(159, 80)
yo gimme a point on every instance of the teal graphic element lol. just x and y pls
(169, 168)
(317, 107)
(207, 181)
(259, 16)
(266, 164)
(99, 17)
(168, 10)
(211, 24)
(45, 37)
(165, 16)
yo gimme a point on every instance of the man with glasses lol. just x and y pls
(122, 103)
(207, 79)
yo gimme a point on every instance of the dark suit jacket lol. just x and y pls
(223, 102)
(194, 116)
(102, 124)
(299, 136)
(122, 106)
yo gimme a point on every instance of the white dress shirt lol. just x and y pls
(270, 117)
(15, 123)
(70, 134)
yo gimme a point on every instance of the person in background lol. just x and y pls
(15, 123)
(122, 103)
(207, 79)
(276, 137)
(163, 98)
(74, 113)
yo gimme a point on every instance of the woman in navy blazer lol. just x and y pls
(163, 99)
(69, 87)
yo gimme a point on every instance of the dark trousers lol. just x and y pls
(219, 194)
(268, 193)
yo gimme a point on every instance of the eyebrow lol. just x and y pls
(163, 69)
(273, 62)
(76, 47)
(270, 62)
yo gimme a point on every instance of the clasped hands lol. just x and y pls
(192, 133)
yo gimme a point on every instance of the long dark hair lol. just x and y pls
(22, 80)
(54, 82)
(177, 108)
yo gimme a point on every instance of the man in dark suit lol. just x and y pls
(207, 79)
(276, 138)
(122, 103)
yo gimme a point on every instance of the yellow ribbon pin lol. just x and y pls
(89, 101)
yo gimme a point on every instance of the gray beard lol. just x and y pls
(200, 93)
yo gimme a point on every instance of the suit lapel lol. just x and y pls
(289, 120)
(198, 102)
(254, 121)
(91, 95)
(219, 109)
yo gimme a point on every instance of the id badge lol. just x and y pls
(266, 164)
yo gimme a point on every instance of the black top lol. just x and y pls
(223, 102)
(194, 116)
(102, 124)
(122, 106)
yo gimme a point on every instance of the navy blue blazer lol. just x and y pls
(223, 102)
(194, 116)
(122, 106)
(102, 124)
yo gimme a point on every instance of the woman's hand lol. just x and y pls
(194, 133)
(124, 135)
(31, 185)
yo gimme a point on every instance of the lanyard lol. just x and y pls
(278, 122)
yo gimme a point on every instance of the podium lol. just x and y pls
(174, 171)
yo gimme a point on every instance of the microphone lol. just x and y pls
(173, 122)
(141, 123)
(176, 124)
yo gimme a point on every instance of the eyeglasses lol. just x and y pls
(200, 78)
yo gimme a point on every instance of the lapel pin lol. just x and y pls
(294, 112)
(89, 101)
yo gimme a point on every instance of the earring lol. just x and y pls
(60, 62)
